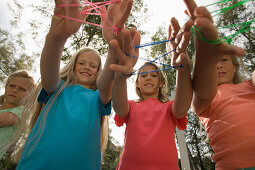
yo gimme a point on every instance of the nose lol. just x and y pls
(219, 65)
(15, 89)
(148, 77)
(86, 66)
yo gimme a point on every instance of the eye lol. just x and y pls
(12, 85)
(224, 59)
(154, 75)
(143, 75)
(23, 89)
(94, 66)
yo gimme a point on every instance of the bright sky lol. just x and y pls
(160, 13)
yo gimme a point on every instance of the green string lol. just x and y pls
(245, 25)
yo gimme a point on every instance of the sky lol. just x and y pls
(160, 13)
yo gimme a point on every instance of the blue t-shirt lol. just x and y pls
(70, 137)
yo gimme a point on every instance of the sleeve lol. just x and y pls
(17, 111)
(105, 110)
(119, 121)
(180, 123)
(44, 96)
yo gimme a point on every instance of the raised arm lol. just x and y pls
(117, 14)
(183, 90)
(61, 29)
(207, 56)
(123, 69)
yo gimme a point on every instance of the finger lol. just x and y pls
(227, 49)
(207, 28)
(203, 12)
(128, 44)
(121, 57)
(121, 68)
(128, 6)
(174, 56)
(137, 40)
(187, 13)
(191, 5)
(184, 43)
(84, 12)
(103, 15)
(182, 59)
(186, 28)
(175, 26)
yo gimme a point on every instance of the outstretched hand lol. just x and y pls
(179, 40)
(204, 21)
(117, 14)
(62, 27)
(131, 38)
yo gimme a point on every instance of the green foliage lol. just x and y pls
(12, 55)
(159, 50)
(111, 156)
(198, 144)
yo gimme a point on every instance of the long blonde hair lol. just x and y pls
(162, 95)
(238, 77)
(22, 74)
(33, 109)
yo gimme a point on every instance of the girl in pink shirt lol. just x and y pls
(224, 103)
(151, 120)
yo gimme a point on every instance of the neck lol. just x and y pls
(7, 106)
(145, 97)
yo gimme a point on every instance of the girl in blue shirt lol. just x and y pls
(66, 133)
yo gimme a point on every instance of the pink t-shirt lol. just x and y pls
(149, 136)
(230, 124)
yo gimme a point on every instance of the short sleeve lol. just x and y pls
(105, 110)
(44, 96)
(119, 121)
(180, 123)
(17, 111)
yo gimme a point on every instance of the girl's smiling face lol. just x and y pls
(86, 69)
(226, 70)
(149, 83)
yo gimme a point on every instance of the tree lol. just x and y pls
(88, 35)
(12, 54)
(112, 155)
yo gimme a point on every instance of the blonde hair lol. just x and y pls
(22, 74)
(33, 109)
(162, 95)
(238, 78)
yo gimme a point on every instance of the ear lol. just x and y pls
(137, 84)
(234, 68)
(160, 84)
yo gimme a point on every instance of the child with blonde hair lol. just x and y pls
(224, 104)
(17, 86)
(65, 134)
(151, 120)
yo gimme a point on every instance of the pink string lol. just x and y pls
(94, 6)
(78, 20)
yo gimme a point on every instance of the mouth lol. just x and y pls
(12, 95)
(149, 85)
(85, 74)
(221, 74)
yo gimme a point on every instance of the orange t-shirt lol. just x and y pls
(149, 136)
(230, 124)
